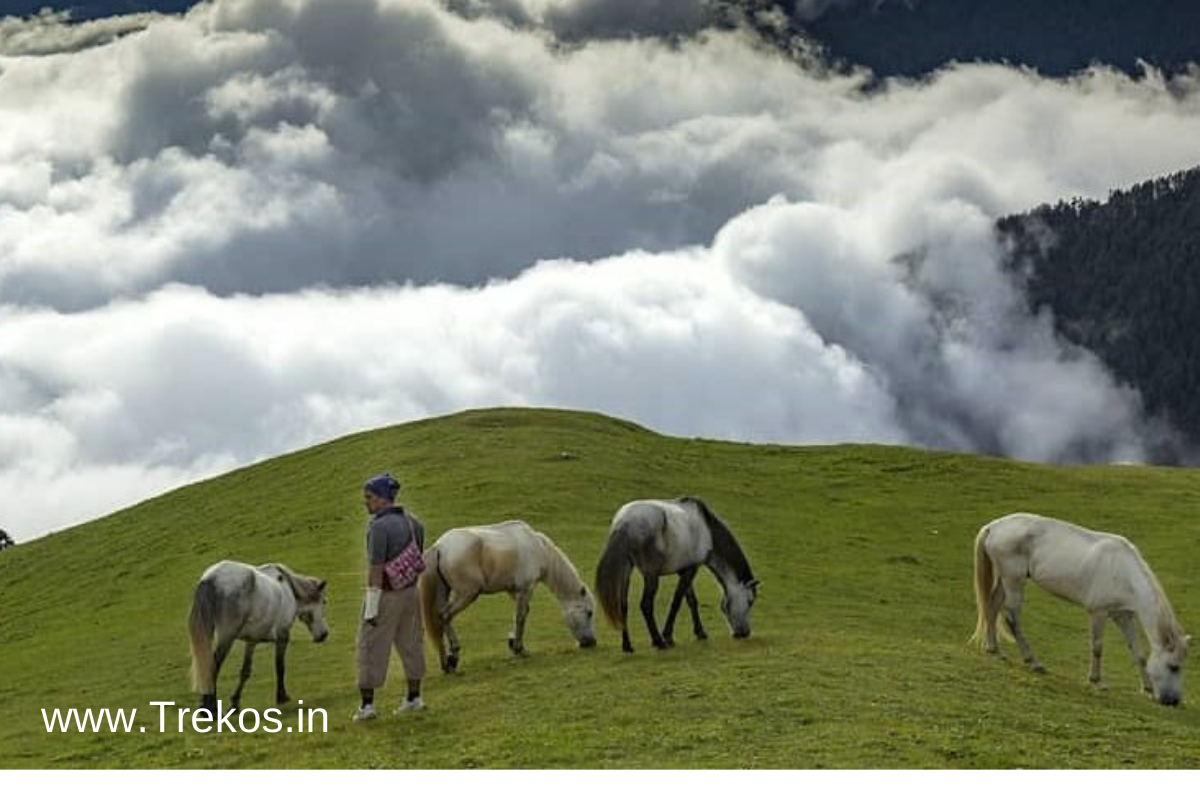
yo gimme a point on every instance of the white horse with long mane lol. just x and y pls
(509, 557)
(1102, 572)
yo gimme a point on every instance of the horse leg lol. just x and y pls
(450, 664)
(516, 640)
(453, 606)
(1097, 628)
(694, 606)
(247, 664)
(1013, 597)
(281, 695)
(681, 589)
(440, 597)
(992, 644)
(649, 590)
(1133, 640)
(222, 650)
(626, 643)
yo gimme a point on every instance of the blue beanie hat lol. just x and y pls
(383, 486)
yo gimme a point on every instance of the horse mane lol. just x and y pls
(306, 588)
(561, 575)
(1168, 628)
(725, 546)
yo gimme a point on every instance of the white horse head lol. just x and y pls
(310, 609)
(1165, 668)
(577, 614)
(736, 604)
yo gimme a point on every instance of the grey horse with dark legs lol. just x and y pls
(666, 537)
(255, 604)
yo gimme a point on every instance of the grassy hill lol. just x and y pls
(858, 658)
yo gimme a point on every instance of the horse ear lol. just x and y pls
(321, 586)
(582, 591)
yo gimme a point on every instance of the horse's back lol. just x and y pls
(255, 599)
(1027, 532)
(1063, 557)
(673, 530)
(506, 535)
(229, 577)
(496, 556)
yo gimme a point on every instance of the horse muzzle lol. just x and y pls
(1169, 699)
(588, 642)
(321, 638)
(741, 633)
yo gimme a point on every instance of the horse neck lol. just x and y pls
(1153, 609)
(726, 560)
(291, 592)
(559, 574)
(725, 572)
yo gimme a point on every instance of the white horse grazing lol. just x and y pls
(254, 604)
(507, 557)
(1102, 572)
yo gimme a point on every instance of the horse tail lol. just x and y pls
(612, 576)
(986, 583)
(430, 581)
(201, 625)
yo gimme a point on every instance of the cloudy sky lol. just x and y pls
(266, 223)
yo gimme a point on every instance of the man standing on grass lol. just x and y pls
(391, 617)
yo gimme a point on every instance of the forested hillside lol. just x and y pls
(912, 37)
(1122, 278)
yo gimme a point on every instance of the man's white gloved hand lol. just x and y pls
(371, 606)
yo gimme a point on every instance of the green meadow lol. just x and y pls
(859, 656)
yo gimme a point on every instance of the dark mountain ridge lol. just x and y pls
(1122, 278)
(913, 37)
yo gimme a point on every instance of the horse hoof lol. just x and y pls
(701, 636)
(627, 648)
(284, 698)
(668, 642)
(512, 644)
(1037, 669)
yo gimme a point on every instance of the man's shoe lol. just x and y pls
(411, 704)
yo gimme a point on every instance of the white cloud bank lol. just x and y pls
(206, 223)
